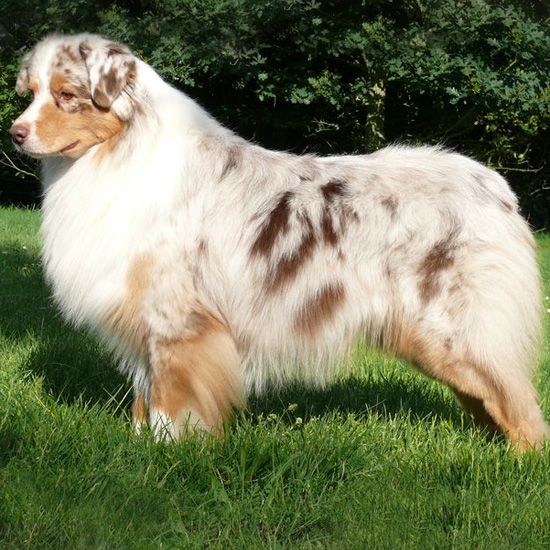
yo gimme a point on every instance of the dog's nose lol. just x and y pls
(19, 132)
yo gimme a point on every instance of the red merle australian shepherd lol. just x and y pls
(213, 267)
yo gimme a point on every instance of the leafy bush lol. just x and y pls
(332, 76)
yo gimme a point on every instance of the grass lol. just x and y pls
(383, 459)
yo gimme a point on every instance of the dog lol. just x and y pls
(213, 267)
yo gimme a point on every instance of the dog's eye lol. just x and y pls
(66, 96)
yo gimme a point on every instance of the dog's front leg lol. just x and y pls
(196, 379)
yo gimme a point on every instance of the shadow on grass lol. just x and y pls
(387, 398)
(73, 366)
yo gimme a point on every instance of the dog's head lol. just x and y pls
(82, 95)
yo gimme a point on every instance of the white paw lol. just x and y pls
(162, 426)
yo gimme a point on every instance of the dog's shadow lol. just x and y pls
(361, 396)
(70, 364)
(73, 366)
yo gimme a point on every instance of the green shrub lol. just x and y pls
(330, 76)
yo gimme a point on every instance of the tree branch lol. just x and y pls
(11, 164)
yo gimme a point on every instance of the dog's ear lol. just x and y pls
(22, 82)
(111, 69)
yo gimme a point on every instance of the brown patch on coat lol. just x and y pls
(130, 67)
(275, 225)
(347, 215)
(101, 99)
(391, 203)
(67, 55)
(84, 48)
(327, 227)
(319, 310)
(112, 83)
(139, 410)
(231, 162)
(438, 258)
(289, 266)
(333, 189)
(202, 247)
(71, 53)
(116, 49)
(506, 206)
(198, 376)
(351, 214)
(73, 131)
(403, 337)
(392, 338)
(126, 319)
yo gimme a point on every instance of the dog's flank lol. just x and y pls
(214, 267)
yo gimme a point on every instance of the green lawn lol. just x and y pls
(384, 459)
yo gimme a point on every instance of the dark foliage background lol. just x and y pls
(332, 76)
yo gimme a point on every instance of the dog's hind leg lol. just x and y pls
(495, 402)
(196, 380)
(498, 398)
(475, 407)
(476, 327)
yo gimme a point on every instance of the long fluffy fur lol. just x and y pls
(215, 267)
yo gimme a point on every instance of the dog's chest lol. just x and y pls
(88, 241)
